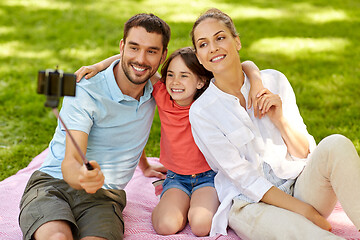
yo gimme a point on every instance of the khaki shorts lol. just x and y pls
(47, 199)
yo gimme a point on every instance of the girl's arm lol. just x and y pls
(151, 170)
(92, 70)
(253, 73)
(276, 197)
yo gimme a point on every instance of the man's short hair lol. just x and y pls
(152, 24)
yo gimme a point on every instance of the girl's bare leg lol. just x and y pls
(203, 205)
(170, 215)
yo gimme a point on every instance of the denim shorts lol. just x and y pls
(188, 183)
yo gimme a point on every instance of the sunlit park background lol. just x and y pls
(315, 43)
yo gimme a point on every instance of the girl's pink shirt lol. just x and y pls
(178, 150)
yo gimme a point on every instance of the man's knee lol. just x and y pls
(54, 230)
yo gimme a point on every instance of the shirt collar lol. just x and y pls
(148, 89)
(244, 89)
(115, 91)
(221, 93)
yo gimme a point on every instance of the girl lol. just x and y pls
(188, 190)
(268, 184)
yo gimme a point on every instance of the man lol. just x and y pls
(110, 119)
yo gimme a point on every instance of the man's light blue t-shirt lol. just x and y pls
(118, 127)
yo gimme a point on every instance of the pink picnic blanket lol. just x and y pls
(141, 199)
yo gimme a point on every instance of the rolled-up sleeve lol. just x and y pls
(290, 109)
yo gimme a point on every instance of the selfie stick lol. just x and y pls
(86, 162)
(51, 83)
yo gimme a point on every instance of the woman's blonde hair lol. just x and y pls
(218, 15)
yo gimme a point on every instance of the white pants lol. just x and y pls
(332, 173)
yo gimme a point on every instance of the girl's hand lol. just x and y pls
(270, 104)
(158, 171)
(92, 180)
(92, 70)
(87, 71)
(253, 100)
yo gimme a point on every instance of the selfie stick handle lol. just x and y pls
(86, 162)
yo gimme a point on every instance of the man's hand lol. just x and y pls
(93, 180)
(87, 71)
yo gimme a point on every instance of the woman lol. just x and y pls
(273, 182)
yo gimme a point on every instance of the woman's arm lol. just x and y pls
(271, 105)
(92, 70)
(297, 144)
(280, 199)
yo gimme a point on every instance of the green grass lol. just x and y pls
(314, 43)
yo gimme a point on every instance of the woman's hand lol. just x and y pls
(270, 104)
(87, 71)
(276, 197)
(314, 216)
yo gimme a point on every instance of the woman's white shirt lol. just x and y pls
(236, 144)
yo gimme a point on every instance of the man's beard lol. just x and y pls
(128, 74)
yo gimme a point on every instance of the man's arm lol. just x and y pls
(92, 70)
(74, 171)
